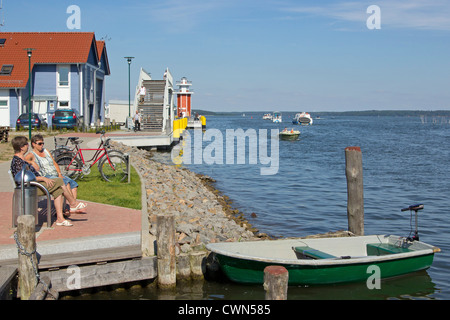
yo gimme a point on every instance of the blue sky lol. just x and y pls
(265, 55)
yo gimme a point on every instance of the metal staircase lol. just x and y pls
(152, 108)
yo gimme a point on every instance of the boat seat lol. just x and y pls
(379, 249)
(312, 253)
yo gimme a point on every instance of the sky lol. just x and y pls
(266, 55)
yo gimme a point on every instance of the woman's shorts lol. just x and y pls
(73, 184)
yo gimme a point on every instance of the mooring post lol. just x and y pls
(276, 282)
(355, 194)
(165, 241)
(198, 265)
(26, 241)
(183, 267)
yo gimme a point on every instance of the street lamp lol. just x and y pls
(129, 85)
(29, 51)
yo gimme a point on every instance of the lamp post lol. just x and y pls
(29, 51)
(129, 85)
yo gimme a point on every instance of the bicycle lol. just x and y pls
(112, 164)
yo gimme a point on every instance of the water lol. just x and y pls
(405, 161)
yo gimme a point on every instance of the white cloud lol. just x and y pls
(414, 14)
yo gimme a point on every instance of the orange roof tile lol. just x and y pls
(101, 49)
(49, 47)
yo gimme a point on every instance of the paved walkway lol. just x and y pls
(101, 225)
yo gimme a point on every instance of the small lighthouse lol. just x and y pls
(184, 98)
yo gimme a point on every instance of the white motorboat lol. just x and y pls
(302, 118)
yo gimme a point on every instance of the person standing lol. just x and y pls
(137, 121)
(142, 92)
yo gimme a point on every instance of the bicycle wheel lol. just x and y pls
(113, 167)
(69, 165)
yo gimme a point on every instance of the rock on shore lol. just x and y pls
(202, 214)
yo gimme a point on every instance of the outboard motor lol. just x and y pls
(416, 208)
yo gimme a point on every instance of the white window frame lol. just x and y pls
(58, 76)
(63, 107)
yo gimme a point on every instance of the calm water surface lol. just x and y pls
(405, 161)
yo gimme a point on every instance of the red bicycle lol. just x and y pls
(112, 164)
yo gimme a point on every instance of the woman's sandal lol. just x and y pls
(79, 206)
(65, 223)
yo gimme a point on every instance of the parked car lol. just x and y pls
(66, 118)
(37, 121)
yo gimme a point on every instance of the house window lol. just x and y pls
(3, 103)
(63, 75)
(63, 104)
(6, 69)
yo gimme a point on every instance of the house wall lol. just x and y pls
(75, 88)
(13, 106)
(44, 84)
(44, 80)
(4, 110)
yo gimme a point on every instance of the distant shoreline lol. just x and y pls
(407, 113)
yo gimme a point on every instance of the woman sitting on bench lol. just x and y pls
(55, 187)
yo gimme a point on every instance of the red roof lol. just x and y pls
(101, 49)
(49, 48)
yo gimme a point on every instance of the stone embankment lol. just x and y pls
(202, 214)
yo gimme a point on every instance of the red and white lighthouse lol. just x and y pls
(184, 98)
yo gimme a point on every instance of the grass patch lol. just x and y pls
(93, 188)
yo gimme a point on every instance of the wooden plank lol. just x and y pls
(7, 273)
(313, 253)
(91, 276)
(83, 257)
(89, 257)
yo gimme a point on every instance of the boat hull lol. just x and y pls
(324, 260)
(289, 136)
(252, 272)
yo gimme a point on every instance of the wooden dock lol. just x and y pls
(96, 268)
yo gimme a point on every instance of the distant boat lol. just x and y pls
(277, 118)
(325, 260)
(289, 134)
(267, 116)
(303, 118)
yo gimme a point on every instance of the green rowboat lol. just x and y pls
(325, 260)
(289, 135)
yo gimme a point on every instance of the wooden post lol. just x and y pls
(43, 290)
(197, 261)
(26, 238)
(165, 239)
(183, 267)
(276, 282)
(355, 194)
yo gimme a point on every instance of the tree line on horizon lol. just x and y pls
(411, 113)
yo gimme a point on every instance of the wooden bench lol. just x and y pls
(306, 251)
(379, 249)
